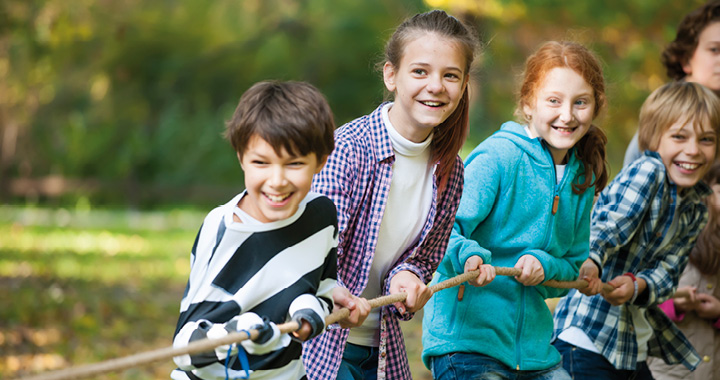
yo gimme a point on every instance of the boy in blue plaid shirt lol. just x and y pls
(643, 227)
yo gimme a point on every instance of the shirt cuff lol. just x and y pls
(669, 308)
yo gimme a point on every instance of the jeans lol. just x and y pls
(359, 363)
(588, 365)
(463, 366)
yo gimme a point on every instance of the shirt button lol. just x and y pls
(382, 354)
(709, 286)
(659, 234)
(706, 359)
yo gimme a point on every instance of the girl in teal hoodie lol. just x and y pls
(526, 204)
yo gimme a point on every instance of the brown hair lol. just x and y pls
(705, 256)
(676, 102)
(290, 115)
(682, 48)
(591, 147)
(449, 136)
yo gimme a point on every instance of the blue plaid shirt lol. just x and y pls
(357, 178)
(629, 225)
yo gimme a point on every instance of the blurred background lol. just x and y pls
(111, 115)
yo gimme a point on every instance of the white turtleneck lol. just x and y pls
(406, 210)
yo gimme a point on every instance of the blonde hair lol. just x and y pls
(676, 102)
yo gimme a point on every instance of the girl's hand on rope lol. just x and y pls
(359, 307)
(688, 303)
(417, 292)
(590, 272)
(532, 271)
(487, 271)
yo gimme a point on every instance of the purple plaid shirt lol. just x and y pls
(357, 178)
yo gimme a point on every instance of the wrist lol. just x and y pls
(635, 287)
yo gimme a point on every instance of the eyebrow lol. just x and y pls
(424, 64)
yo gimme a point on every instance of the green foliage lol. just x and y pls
(135, 94)
(85, 286)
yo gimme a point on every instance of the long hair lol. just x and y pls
(682, 48)
(705, 256)
(450, 135)
(590, 149)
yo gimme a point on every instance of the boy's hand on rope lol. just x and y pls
(624, 289)
(532, 271)
(417, 292)
(487, 271)
(589, 272)
(359, 307)
(303, 332)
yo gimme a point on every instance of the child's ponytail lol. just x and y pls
(591, 152)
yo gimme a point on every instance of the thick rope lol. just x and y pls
(206, 345)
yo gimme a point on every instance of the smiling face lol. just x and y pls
(561, 111)
(275, 183)
(704, 65)
(428, 85)
(688, 151)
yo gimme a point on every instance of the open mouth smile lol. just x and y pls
(277, 198)
(564, 129)
(689, 166)
(434, 104)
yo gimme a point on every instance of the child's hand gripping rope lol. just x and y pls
(278, 331)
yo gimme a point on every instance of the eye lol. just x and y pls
(452, 76)
(419, 71)
(258, 162)
(708, 139)
(715, 50)
(581, 102)
(677, 136)
(554, 101)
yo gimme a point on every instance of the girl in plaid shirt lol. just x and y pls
(643, 227)
(396, 180)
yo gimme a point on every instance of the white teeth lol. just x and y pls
(687, 166)
(277, 198)
(432, 104)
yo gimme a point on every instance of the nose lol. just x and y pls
(691, 148)
(435, 84)
(566, 113)
(277, 177)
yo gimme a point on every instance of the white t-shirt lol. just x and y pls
(406, 210)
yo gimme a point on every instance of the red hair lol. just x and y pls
(591, 147)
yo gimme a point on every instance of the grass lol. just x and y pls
(82, 286)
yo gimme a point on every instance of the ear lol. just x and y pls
(321, 163)
(687, 68)
(526, 110)
(389, 76)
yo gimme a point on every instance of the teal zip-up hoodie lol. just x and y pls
(506, 211)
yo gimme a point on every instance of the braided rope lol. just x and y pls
(206, 345)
